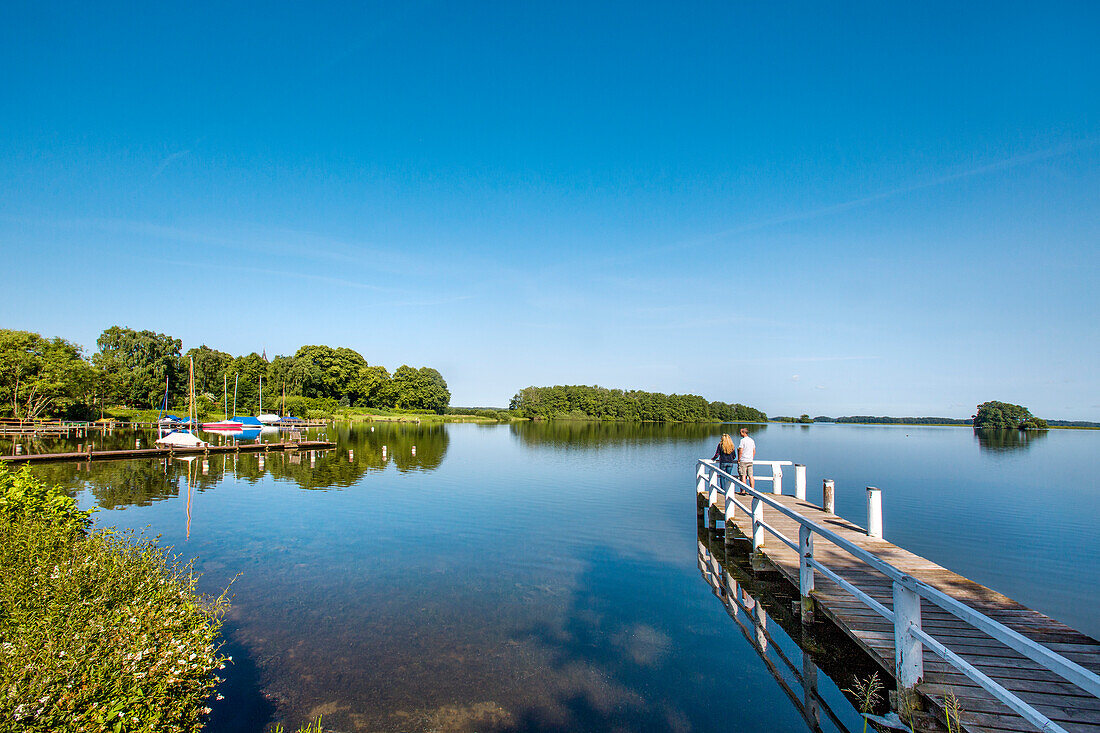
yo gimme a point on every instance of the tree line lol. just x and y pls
(600, 403)
(41, 377)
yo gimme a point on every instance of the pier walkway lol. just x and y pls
(158, 452)
(936, 632)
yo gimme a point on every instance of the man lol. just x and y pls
(746, 452)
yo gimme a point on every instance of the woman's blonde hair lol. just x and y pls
(727, 443)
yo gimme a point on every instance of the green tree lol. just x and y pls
(211, 367)
(1006, 416)
(420, 389)
(329, 372)
(247, 371)
(375, 388)
(41, 377)
(135, 364)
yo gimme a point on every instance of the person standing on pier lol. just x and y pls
(726, 455)
(746, 452)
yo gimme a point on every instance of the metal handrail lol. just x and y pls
(908, 627)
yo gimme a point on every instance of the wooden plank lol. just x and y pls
(1073, 708)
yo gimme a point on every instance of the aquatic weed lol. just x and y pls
(869, 694)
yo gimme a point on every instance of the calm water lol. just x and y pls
(544, 577)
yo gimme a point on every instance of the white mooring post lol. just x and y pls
(777, 483)
(800, 481)
(757, 524)
(909, 652)
(828, 496)
(874, 512)
(806, 572)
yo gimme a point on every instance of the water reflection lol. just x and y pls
(117, 484)
(588, 434)
(1006, 441)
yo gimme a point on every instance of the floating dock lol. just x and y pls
(937, 633)
(118, 455)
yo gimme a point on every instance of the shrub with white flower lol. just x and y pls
(99, 631)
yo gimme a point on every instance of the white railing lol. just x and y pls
(909, 638)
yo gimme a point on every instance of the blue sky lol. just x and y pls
(879, 208)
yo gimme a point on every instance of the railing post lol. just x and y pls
(909, 652)
(800, 481)
(777, 482)
(712, 499)
(806, 572)
(828, 496)
(874, 512)
(700, 494)
(757, 524)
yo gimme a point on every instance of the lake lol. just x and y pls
(543, 577)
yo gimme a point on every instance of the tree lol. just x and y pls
(41, 377)
(211, 368)
(329, 372)
(1006, 416)
(247, 371)
(420, 389)
(805, 419)
(375, 388)
(135, 365)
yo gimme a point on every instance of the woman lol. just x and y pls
(726, 455)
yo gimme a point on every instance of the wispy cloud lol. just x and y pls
(169, 160)
(1000, 165)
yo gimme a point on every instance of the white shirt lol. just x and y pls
(747, 448)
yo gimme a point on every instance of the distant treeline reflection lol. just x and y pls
(588, 434)
(1003, 441)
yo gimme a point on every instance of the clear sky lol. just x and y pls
(885, 208)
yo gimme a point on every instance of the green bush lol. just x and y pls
(98, 632)
(24, 498)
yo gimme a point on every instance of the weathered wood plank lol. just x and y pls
(1074, 709)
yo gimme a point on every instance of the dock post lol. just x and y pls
(800, 481)
(757, 524)
(777, 480)
(828, 496)
(874, 512)
(908, 649)
(806, 572)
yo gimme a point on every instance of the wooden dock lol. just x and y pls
(117, 455)
(1064, 697)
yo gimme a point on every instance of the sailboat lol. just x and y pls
(269, 418)
(225, 424)
(179, 438)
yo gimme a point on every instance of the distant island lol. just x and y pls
(582, 402)
(991, 415)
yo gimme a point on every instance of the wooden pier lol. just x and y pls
(117, 455)
(934, 631)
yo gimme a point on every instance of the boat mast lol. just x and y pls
(225, 395)
(191, 407)
(235, 378)
(261, 410)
